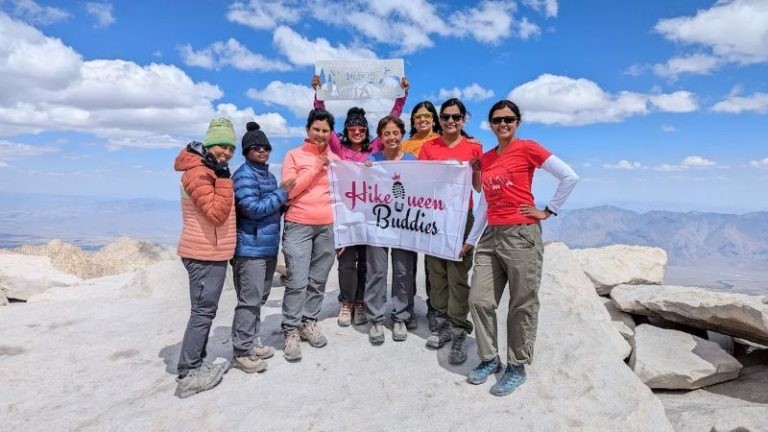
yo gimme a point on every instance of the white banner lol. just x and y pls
(360, 79)
(413, 205)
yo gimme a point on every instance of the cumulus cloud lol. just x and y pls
(490, 22)
(30, 11)
(760, 163)
(264, 15)
(230, 53)
(697, 162)
(547, 7)
(473, 93)
(101, 12)
(625, 165)
(47, 86)
(732, 31)
(554, 99)
(305, 52)
(735, 104)
(527, 29)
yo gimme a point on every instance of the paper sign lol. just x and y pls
(360, 79)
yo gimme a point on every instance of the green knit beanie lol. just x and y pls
(220, 132)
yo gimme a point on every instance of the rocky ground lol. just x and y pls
(100, 354)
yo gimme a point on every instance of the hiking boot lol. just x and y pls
(376, 334)
(412, 323)
(249, 364)
(399, 331)
(458, 353)
(310, 332)
(292, 350)
(481, 372)
(441, 335)
(345, 314)
(360, 317)
(261, 351)
(204, 378)
(513, 376)
(432, 320)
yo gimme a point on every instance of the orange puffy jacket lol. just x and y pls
(207, 208)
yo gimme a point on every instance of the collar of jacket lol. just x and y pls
(254, 165)
(311, 147)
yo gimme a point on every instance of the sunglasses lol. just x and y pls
(357, 129)
(455, 117)
(506, 119)
(260, 149)
(424, 116)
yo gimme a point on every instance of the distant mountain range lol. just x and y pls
(687, 237)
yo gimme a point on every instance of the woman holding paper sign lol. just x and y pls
(355, 145)
(390, 130)
(510, 250)
(449, 289)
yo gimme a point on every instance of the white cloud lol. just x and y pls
(484, 125)
(229, 53)
(554, 99)
(264, 15)
(669, 168)
(16, 151)
(547, 7)
(733, 31)
(679, 102)
(305, 52)
(697, 162)
(490, 22)
(625, 165)
(761, 163)
(46, 86)
(668, 128)
(30, 11)
(527, 29)
(473, 92)
(701, 64)
(735, 104)
(102, 12)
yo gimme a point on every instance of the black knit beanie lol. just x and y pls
(254, 138)
(356, 117)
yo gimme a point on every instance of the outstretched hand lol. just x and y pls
(315, 82)
(404, 84)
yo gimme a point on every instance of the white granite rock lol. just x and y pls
(621, 320)
(117, 357)
(25, 276)
(739, 315)
(671, 359)
(620, 264)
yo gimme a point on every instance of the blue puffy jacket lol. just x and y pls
(259, 200)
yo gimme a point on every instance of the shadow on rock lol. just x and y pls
(219, 346)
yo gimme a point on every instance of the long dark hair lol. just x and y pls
(462, 109)
(365, 146)
(504, 103)
(435, 120)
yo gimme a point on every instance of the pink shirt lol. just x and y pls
(310, 198)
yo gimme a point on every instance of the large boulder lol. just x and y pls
(671, 359)
(24, 276)
(620, 264)
(740, 315)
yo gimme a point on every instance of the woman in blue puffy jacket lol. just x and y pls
(259, 201)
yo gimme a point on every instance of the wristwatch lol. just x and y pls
(548, 210)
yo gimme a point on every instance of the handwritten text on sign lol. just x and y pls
(418, 206)
(360, 79)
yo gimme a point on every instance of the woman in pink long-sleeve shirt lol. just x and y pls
(354, 144)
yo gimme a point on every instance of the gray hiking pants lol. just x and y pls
(206, 280)
(309, 255)
(403, 287)
(514, 254)
(352, 273)
(253, 283)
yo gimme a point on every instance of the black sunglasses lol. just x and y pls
(506, 119)
(261, 148)
(455, 117)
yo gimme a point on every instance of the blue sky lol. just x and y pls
(656, 104)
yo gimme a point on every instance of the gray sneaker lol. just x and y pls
(310, 332)
(249, 364)
(458, 353)
(399, 331)
(204, 378)
(376, 334)
(441, 335)
(292, 350)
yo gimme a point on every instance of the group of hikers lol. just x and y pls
(236, 219)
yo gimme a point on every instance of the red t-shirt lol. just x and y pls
(507, 181)
(466, 150)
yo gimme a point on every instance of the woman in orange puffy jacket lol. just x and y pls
(207, 243)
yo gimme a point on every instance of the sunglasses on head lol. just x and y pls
(505, 119)
(425, 116)
(357, 129)
(454, 117)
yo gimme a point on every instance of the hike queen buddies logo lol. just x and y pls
(393, 208)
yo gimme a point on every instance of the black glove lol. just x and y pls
(221, 169)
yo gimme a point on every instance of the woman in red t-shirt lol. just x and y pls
(449, 289)
(510, 249)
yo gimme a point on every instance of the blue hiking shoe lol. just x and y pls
(512, 378)
(481, 372)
